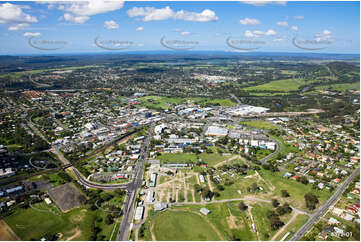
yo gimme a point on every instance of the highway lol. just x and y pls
(132, 188)
(322, 210)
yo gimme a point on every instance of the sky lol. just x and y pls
(30, 27)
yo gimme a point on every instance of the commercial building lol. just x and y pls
(216, 131)
(153, 180)
(139, 213)
(150, 196)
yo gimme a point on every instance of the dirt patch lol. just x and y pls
(76, 233)
(67, 197)
(77, 218)
(232, 221)
(6, 233)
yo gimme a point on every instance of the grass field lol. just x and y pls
(260, 124)
(177, 157)
(295, 189)
(279, 85)
(339, 87)
(213, 158)
(75, 225)
(161, 102)
(300, 220)
(182, 225)
(259, 212)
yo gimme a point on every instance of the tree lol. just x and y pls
(285, 193)
(109, 219)
(311, 201)
(275, 203)
(242, 206)
(220, 187)
(197, 187)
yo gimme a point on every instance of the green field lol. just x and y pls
(177, 157)
(161, 102)
(261, 221)
(279, 85)
(75, 224)
(182, 225)
(296, 189)
(339, 87)
(300, 220)
(213, 158)
(259, 124)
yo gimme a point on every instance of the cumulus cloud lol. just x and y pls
(299, 17)
(111, 24)
(139, 29)
(29, 34)
(75, 19)
(282, 23)
(14, 16)
(324, 36)
(156, 14)
(262, 3)
(80, 12)
(185, 33)
(18, 26)
(258, 33)
(294, 28)
(249, 21)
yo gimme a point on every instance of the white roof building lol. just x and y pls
(139, 213)
(204, 211)
(150, 196)
(216, 131)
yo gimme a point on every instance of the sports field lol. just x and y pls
(182, 225)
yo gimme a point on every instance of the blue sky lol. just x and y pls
(324, 27)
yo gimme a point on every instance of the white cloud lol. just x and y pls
(295, 28)
(18, 26)
(80, 12)
(111, 24)
(278, 40)
(75, 19)
(249, 34)
(262, 3)
(185, 33)
(282, 23)
(299, 17)
(249, 21)
(29, 34)
(326, 32)
(324, 36)
(139, 29)
(153, 14)
(258, 33)
(14, 16)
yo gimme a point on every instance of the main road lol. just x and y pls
(314, 218)
(132, 188)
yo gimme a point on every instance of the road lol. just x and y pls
(132, 188)
(322, 210)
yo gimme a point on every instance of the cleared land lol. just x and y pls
(67, 197)
(6, 233)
